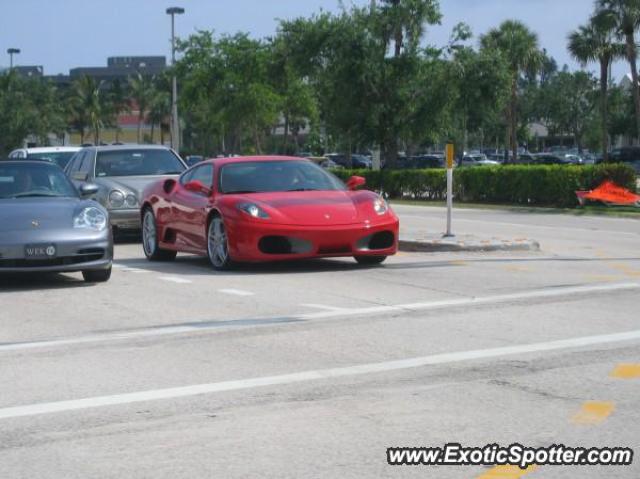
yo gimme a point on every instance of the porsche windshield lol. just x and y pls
(34, 180)
(138, 162)
(273, 176)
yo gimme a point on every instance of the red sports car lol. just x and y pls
(265, 209)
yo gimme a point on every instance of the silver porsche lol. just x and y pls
(122, 172)
(47, 225)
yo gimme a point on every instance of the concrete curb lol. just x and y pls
(465, 243)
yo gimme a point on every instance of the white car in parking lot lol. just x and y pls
(59, 155)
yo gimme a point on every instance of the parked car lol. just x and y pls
(629, 155)
(551, 159)
(427, 161)
(192, 160)
(50, 226)
(477, 160)
(60, 155)
(122, 173)
(357, 161)
(328, 164)
(265, 209)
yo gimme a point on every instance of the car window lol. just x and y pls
(138, 162)
(59, 158)
(75, 163)
(87, 163)
(203, 174)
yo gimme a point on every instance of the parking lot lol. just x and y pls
(173, 370)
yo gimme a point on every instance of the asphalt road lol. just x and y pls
(314, 369)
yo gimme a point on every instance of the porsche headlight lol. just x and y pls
(380, 206)
(253, 210)
(116, 199)
(90, 218)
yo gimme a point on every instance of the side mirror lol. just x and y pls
(89, 189)
(355, 182)
(196, 186)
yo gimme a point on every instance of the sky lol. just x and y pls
(63, 34)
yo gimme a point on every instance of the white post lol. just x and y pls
(450, 155)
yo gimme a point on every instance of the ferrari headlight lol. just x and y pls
(253, 210)
(380, 206)
(116, 199)
(90, 218)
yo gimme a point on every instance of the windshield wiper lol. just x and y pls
(303, 189)
(239, 192)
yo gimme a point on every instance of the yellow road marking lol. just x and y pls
(626, 269)
(593, 412)
(517, 269)
(507, 472)
(605, 278)
(458, 263)
(626, 371)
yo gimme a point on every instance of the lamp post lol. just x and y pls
(11, 52)
(175, 123)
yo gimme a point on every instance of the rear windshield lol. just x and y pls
(60, 158)
(138, 162)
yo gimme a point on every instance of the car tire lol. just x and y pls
(370, 260)
(218, 245)
(97, 275)
(150, 239)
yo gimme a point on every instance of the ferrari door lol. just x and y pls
(191, 203)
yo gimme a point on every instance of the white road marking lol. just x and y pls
(175, 279)
(236, 292)
(338, 312)
(447, 303)
(357, 370)
(322, 306)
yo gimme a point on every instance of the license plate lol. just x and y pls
(40, 251)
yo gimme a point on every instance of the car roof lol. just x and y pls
(243, 159)
(132, 146)
(50, 149)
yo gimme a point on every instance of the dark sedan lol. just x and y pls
(46, 225)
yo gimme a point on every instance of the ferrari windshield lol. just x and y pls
(29, 180)
(60, 158)
(138, 162)
(277, 175)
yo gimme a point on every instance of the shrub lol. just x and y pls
(541, 185)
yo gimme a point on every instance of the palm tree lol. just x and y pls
(88, 106)
(595, 42)
(142, 91)
(159, 111)
(404, 21)
(119, 102)
(519, 47)
(626, 14)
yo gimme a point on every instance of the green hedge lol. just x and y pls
(543, 185)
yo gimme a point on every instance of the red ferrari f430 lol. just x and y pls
(255, 209)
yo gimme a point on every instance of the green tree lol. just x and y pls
(519, 47)
(88, 107)
(626, 14)
(118, 100)
(141, 95)
(595, 42)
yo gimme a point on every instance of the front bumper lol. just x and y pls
(128, 219)
(75, 251)
(260, 241)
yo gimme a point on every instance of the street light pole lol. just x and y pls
(175, 123)
(11, 52)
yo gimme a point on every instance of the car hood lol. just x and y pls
(312, 208)
(130, 184)
(27, 214)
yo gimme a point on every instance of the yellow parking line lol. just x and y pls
(626, 371)
(602, 278)
(517, 269)
(507, 472)
(593, 412)
(626, 269)
(458, 263)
